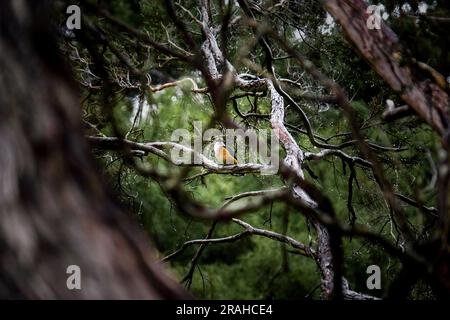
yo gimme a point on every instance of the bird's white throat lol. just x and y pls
(218, 147)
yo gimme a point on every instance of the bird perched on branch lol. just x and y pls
(223, 155)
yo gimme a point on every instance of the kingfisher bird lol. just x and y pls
(223, 155)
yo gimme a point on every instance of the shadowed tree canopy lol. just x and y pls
(55, 211)
(88, 176)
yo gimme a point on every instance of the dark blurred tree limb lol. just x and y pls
(54, 209)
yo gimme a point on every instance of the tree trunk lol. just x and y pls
(54, 210)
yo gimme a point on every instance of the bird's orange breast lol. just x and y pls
(227, 157)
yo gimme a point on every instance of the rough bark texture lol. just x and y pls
(427, 98)
(54, 210)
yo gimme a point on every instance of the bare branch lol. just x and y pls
(248, 194)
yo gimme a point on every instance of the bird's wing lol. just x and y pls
(227, 156)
